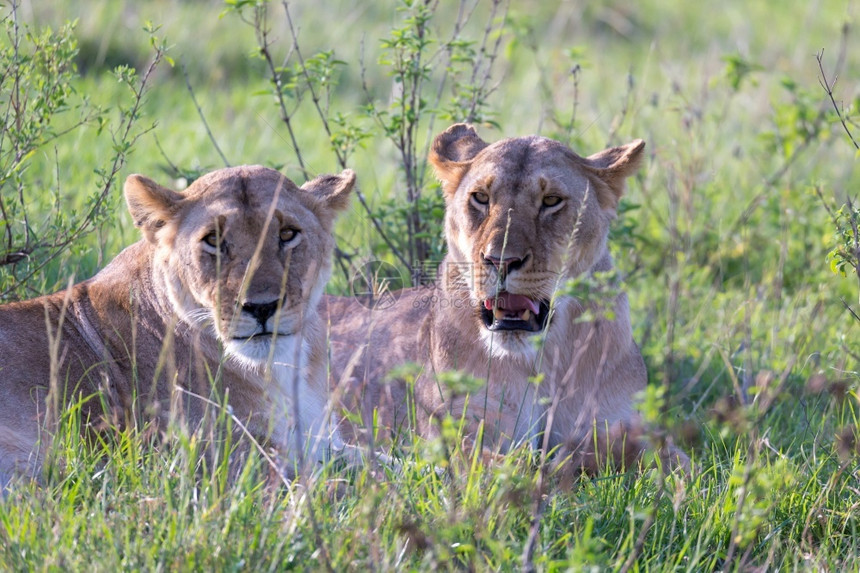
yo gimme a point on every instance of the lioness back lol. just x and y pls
(367, 341)
(218, 299)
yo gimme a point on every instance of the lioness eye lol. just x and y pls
(481, 198)
(551, 200)
(288, 235)
(211, 239)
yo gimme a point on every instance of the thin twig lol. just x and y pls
(173, 167)
(203, 117)
(828, 88)
(263, 43)
(341, 159)
(619, 119)
(488, 56)
(852, 219)
(575, 71)
(408, 146)
(851, 310)
(19, 111)
(377, 117)
(826, 206)
(462, 18)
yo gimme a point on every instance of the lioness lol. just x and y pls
(219, 299)
(523, 216)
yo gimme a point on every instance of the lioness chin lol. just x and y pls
(217, 301)
(523, 217)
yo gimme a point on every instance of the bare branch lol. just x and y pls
(826, 206)
(314, 96)
(361, 199)
(828, 88)
(487, 55)
(203, 117)
(849, 309)
(263, 43)
(462, 18)
(852, 219)
(173, 167)
(621, 117)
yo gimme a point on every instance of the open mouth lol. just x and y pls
(507, 311)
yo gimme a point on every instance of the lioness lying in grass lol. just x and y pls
(523, 217)
(219, 299)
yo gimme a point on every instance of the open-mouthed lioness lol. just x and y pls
(216, 302)
(523, 217)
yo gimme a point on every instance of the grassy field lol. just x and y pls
(724, 239)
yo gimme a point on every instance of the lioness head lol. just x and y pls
(521, 215)
(243, 250)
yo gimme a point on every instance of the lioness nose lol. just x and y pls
(504, 266)
(261, 311)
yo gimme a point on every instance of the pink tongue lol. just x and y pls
(513, 302)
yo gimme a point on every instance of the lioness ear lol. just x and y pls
(452, 153)
(150, 204)
(332, 190)
(613, 166)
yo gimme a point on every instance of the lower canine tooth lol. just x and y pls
(499, 314)
(527, 314)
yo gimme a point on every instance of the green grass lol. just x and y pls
(722, 214)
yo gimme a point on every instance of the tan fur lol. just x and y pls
(173, 311)
(585, 372)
